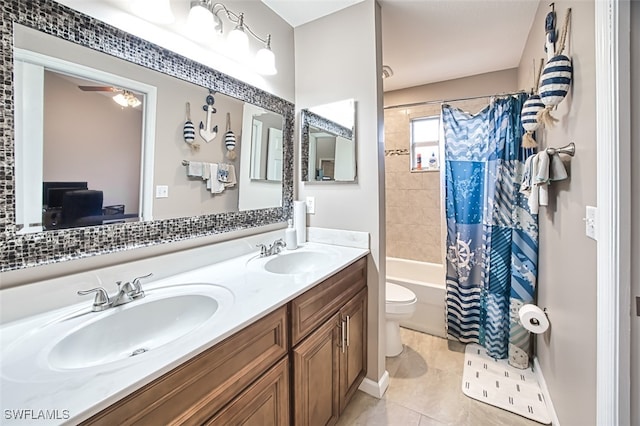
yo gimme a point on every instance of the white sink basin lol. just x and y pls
(75, 339)
(294, 263)
(130, 332)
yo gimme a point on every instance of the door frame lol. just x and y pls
(612, 48)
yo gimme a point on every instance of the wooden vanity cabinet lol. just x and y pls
(329, 360)
(195, 391)
(252, 377)
(264, 403)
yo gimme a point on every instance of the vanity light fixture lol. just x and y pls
(127, 99)
(205, 21)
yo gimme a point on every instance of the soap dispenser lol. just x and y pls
(291, 237)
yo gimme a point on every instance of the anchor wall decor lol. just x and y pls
(205, 133)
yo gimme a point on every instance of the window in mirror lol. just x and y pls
(328, 142)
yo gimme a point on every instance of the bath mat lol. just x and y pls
(495, 382)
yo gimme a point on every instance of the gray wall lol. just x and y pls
(635, 210)
(349, 44)
(567, 258)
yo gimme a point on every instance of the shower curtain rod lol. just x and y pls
(452, 100)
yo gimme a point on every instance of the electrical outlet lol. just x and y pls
(162, 191)
(311, 205)
(591, 222)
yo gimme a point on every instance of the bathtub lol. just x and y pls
(427, 281)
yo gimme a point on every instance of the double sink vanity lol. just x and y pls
(277, 339)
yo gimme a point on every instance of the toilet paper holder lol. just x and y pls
(534, 321)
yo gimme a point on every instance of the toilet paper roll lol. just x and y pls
(300, 220)
(533, 319)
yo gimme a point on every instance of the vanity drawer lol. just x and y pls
(197, 389)
(264, 403)
(314, 307)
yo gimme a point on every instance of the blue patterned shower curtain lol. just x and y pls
(492, 238)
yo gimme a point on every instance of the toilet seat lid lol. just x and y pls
(398, 294)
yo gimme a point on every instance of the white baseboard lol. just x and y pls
(375, 389)
(545, 392)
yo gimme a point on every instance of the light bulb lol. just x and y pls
(200, 23)
(121, 100)
(266, 62)
(158, 11)
(238, 42)
(134, 102)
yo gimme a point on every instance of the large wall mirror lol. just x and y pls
(95, 154)
(328, 142)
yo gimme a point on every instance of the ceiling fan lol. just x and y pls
(123, 97)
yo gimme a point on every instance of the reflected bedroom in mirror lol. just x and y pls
(100, 141)
(328, 143)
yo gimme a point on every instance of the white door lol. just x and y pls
(274, 155)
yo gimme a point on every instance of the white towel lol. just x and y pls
(527, 173)
(541, 179)
(231, 176)
(195, 169)
(557, 170)
(533, 200)
(214, 185)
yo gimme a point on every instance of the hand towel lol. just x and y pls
(541, 179)
(557, 170)
(542, 171)
(525, 184)
(214, 185)
(223, 173)
(533, 199)
(231, 176)
(195, 169)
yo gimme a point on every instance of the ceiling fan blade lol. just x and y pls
(98, 88)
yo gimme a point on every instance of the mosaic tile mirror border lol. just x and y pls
(22, 251)
(307, 119)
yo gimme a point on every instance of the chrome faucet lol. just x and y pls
(274, 248)
(127, 292)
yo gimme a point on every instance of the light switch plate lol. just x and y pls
(162, 191)
(591, 222)
(311, 205)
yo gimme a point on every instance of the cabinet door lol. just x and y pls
(353, 356)
(265, 403)
(315, 376)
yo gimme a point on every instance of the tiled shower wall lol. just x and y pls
(413, 199)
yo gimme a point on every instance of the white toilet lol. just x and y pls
(401, 304)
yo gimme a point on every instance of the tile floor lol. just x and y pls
(425, 390)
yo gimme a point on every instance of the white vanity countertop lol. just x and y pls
(55, 396)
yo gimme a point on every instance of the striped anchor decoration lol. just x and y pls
(230, 140)
(556, 79)
(529, 118)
